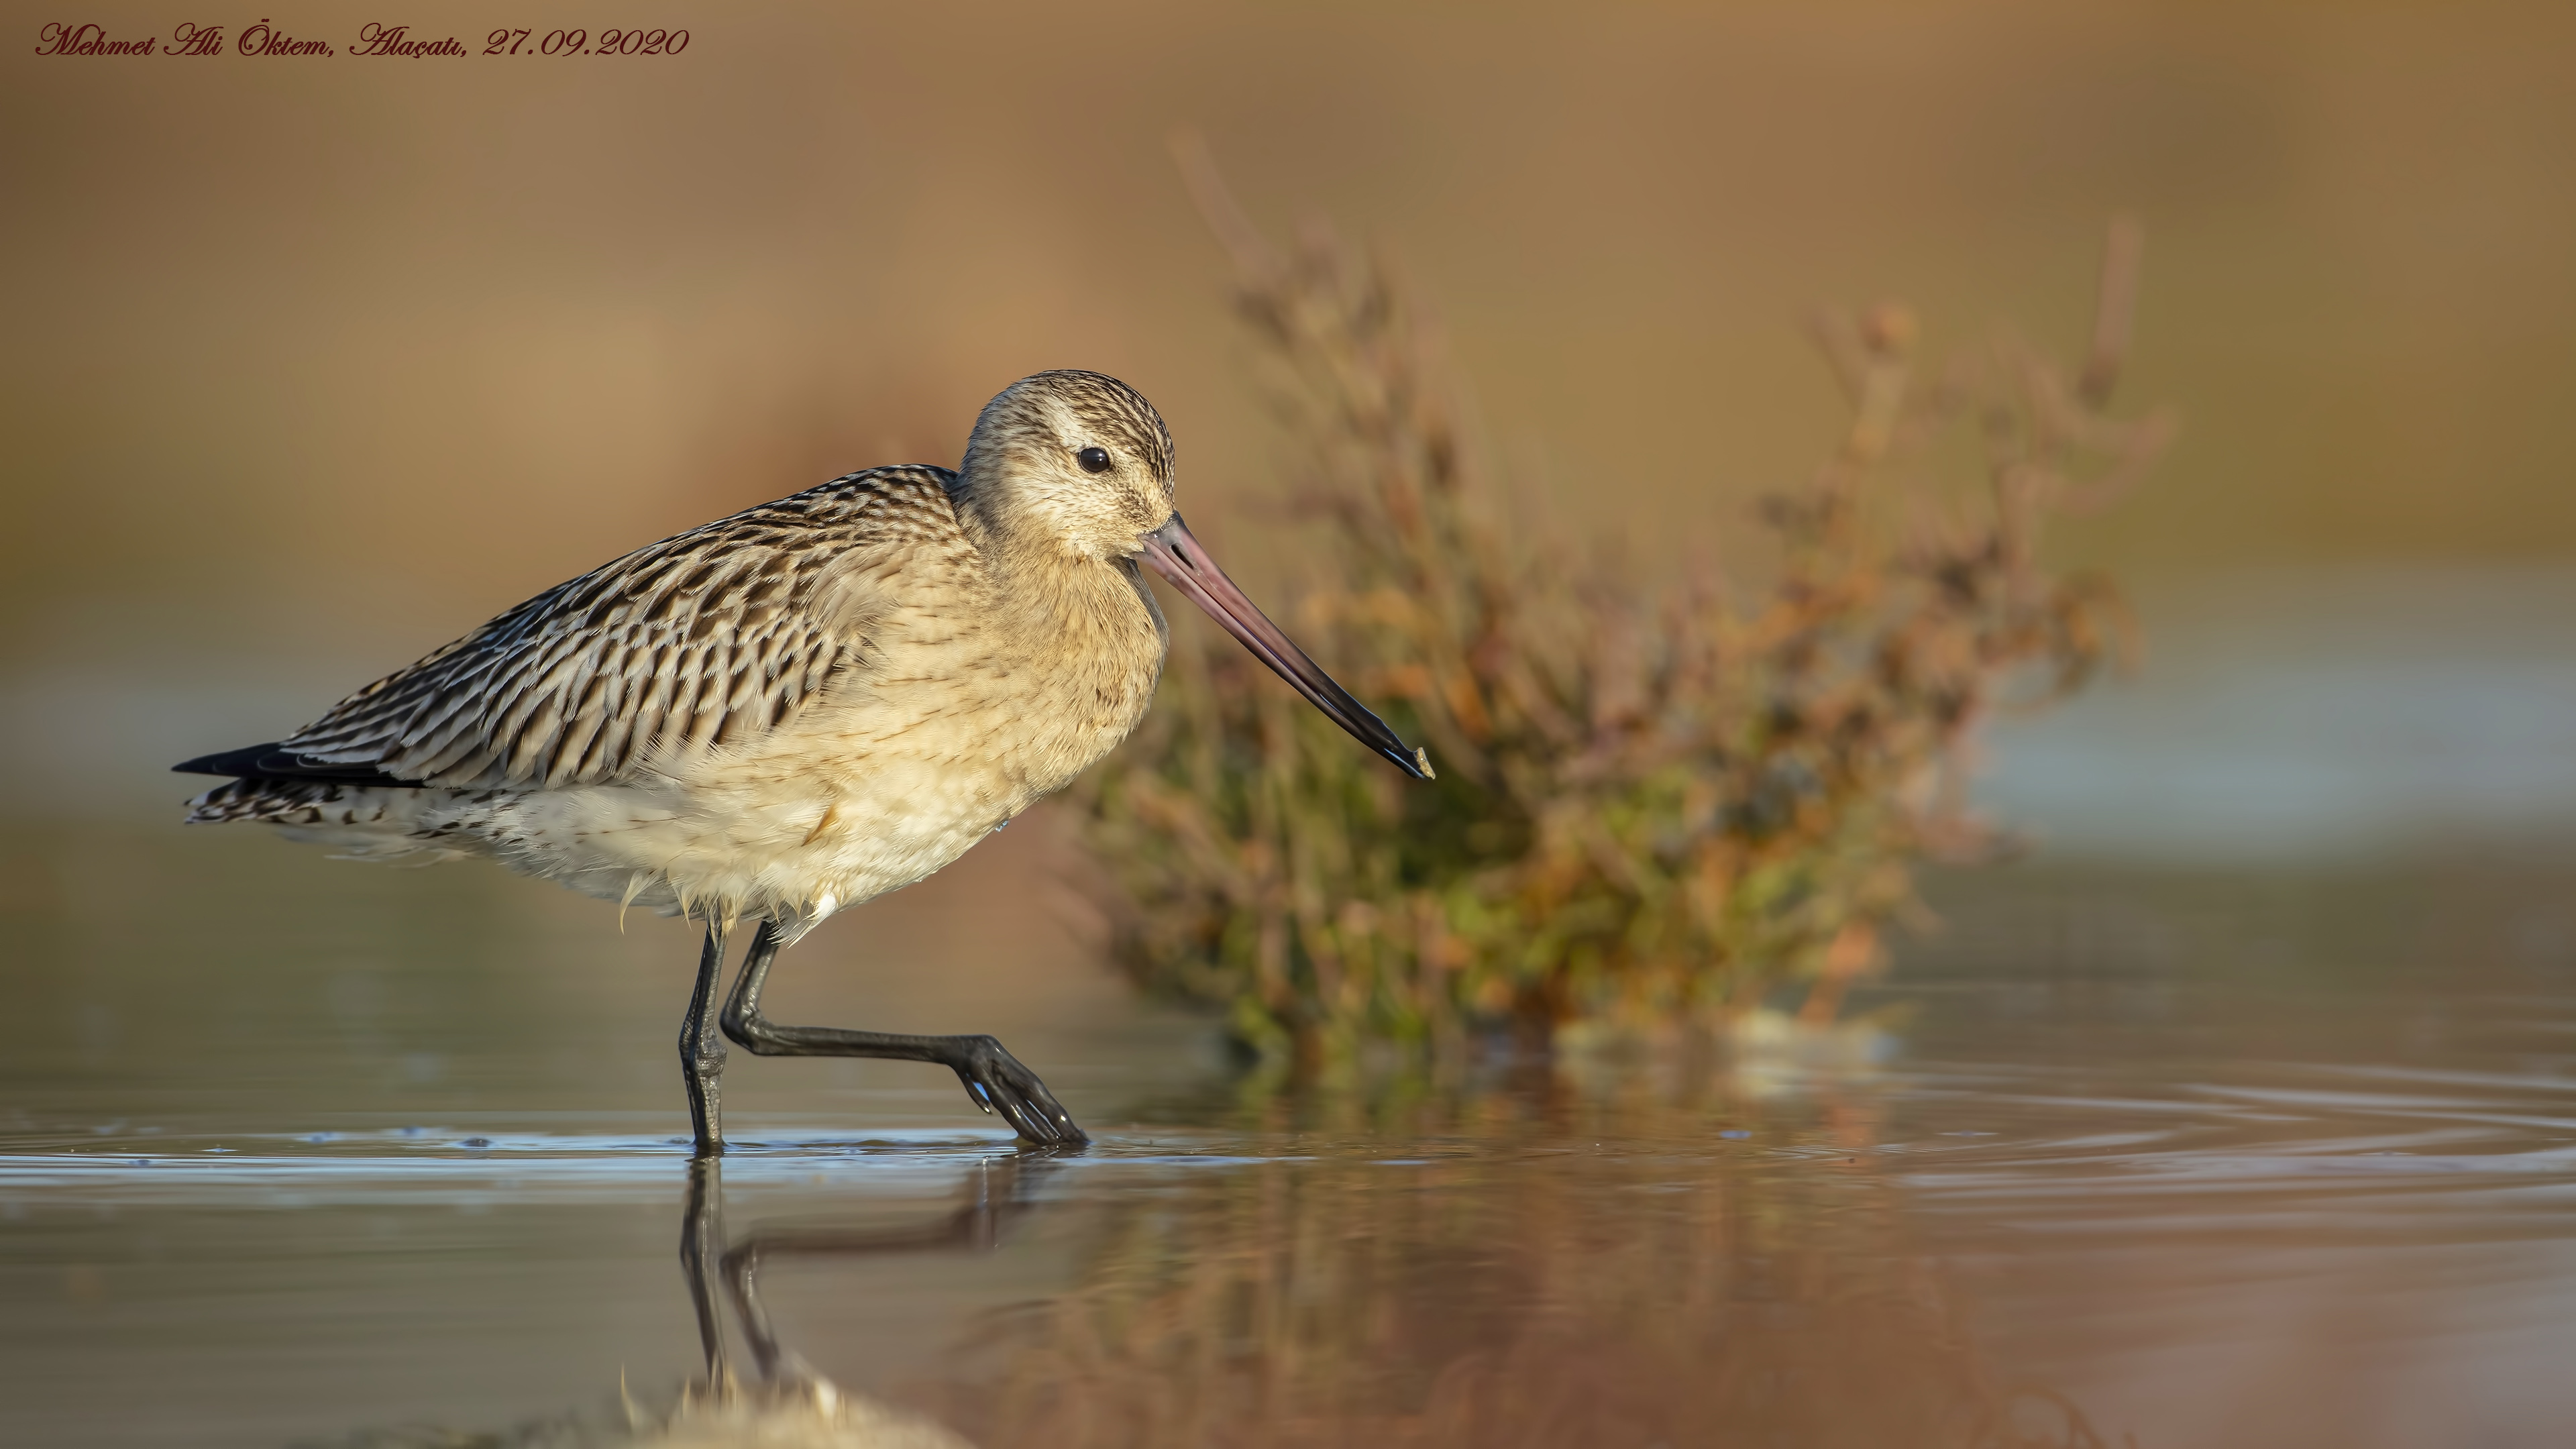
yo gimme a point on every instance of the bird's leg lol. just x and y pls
(993, 1077)
(702, 1048)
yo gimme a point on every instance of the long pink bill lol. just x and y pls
(1180, 558)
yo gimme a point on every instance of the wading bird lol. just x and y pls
(798, 708)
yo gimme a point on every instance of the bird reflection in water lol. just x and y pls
(784, 1402)
(777, 1401)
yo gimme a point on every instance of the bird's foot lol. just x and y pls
(998, 1083)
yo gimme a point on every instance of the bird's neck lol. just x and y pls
(1007, 542)
(1052, 593)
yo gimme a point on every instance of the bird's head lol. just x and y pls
(1080, 465)
(1077, 462)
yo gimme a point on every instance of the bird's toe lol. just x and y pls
(999, 1083)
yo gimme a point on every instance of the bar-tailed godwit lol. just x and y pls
(798, 708)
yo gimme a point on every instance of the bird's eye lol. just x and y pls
(1093, 460)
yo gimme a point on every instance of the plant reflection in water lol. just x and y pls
(1505, 1269)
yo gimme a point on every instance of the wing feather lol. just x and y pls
(710, 638)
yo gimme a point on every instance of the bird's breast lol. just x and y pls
(986, 709)
(1057, 710)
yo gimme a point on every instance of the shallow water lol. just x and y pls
(302, 1153)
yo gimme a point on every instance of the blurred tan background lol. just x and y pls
(311, 364)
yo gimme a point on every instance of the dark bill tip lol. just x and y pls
(1178, 556)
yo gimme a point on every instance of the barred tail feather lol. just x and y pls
(289, 802)
(358, 822)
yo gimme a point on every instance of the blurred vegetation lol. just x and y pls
(1655, 804)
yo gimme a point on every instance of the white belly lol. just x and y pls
(793, 857)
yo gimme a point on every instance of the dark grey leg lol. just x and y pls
(702, 1048)
(993, 1077)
